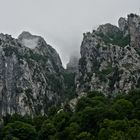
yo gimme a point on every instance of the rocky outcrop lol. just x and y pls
(123, 26)
(31, 77)
(134, 30)
(109, 61)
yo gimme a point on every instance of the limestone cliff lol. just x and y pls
(30, 75)
(110, 58)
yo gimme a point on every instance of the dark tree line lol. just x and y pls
(96, 117)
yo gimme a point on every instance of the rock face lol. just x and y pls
(31, 77)
(28, 40)
(110, 60)
(72, 66)
(123, 26)
(134, 30)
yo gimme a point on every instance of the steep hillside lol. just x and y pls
(30, 75)
(110, 58)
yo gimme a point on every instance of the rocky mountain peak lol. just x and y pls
(31, 77)
(26, 34)
(29, 40)
(108, 29)
(110, 60)
(4, 36)
(134, 30)
(123, 25)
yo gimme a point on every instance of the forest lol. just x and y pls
(96, 117)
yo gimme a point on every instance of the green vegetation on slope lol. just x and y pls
(115, 38)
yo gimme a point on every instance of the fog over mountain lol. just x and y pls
(62, 22)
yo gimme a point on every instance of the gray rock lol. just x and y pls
(134, 29)
(72, 66)
(123, 25)
(109, 62)
(122, 22)
(31, 77)
(107, 29)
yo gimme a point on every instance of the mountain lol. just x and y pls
(95, 97)
(110, 58)
(31, 77)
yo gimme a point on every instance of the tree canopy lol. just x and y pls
(96, 117)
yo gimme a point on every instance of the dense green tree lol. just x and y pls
(20, 130)
(133, 95)
(38, 121)
(71, 131)
(85, 136)
(123, 107)
(10, 138)
(61, 120)
(133, 133)
(136, 110)
(96, 117)
(91, 118)
(47, 131)
(118, 135)
(120, 130)
(52, 111)
(104, 134)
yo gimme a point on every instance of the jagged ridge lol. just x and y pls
(30, 78)
(110, 60)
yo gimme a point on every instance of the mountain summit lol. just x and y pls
(110, 58)
(32, 77)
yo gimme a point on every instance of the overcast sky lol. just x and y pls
(62, 22)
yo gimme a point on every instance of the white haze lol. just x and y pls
(62, 22)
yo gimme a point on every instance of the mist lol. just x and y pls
(62, 22)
